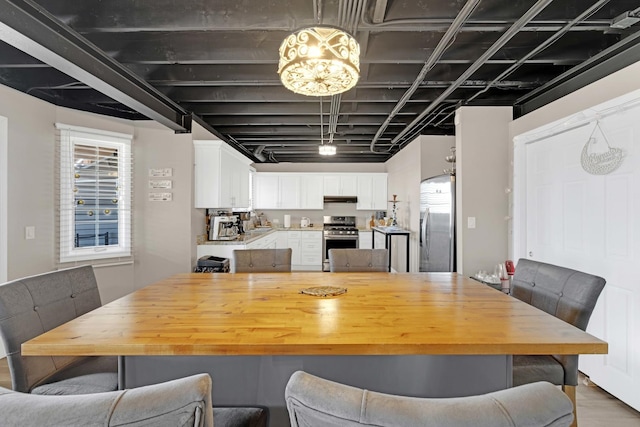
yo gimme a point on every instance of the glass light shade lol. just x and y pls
(327, 150)
(319, 61)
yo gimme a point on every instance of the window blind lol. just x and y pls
(95, 194)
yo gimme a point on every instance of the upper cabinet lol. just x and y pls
(221, 176)
(372, 191)
(340, 184)
(287, 191)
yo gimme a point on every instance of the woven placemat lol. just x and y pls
(323, 291)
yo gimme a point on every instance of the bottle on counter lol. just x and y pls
(372, 222)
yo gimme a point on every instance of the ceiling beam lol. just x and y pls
(616, 57)
(28, 27)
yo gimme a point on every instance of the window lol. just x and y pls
(95, 194)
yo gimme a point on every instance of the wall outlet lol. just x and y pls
(471, 222)
(30, 232)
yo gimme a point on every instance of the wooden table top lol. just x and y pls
(264, 314)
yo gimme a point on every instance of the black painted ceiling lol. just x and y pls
(215, 62)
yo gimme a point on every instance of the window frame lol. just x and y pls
(69, 137)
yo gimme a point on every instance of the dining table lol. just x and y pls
(417, 334)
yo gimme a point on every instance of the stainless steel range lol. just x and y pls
(339, 232)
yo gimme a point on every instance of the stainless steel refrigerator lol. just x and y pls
(437, 224)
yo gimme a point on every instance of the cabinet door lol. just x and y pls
(311, 192)
(331, 184)
(241, 185)
(206, 172)
(282, 242)
(379, 197)
(289, 191)
(294, 238)
(267, 191)
(365, 192)
(364, 239)
(226, 182)
(349, 185)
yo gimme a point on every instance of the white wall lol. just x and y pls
(482, 140)
(162, 230)
(30, 182)
(3, 198)
(164, 235)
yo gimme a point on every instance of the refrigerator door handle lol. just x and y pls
(423, 233)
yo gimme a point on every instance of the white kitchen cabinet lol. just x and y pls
(365, 237)
(340, 184)
(277, 191)
(372, 191)
(310, 251)
(221, 176)
(289, 191)
(293, 242)
(267, 191)
(311, 191)
(282, 242)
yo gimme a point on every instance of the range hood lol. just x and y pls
(340, 199)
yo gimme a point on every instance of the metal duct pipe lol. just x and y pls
(258, 153)
(508, 35)
(439, 50)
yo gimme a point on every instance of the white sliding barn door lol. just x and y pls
(591, 223)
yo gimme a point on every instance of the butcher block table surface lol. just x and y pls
(265, 314)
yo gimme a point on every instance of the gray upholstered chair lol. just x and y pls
(316, 402)
(262, 260)
(341, 260)
(33, 305)
(567, 294)
(182, 402)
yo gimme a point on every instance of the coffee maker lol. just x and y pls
(223, 228)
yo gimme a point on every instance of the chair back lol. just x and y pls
(316, 402)
(181, 402)
(567, 294)
(342, 260)
(33, 305)
(262, 260)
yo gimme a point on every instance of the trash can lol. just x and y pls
(212, 264)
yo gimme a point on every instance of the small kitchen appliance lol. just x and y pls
(223, 228)
(304, 222)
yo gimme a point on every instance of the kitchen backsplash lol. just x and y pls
(335, 209)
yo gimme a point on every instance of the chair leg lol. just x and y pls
(570, 391)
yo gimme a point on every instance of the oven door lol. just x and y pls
(337, 242)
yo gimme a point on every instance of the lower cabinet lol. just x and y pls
(306, 249)
(364, 239)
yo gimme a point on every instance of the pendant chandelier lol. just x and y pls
(319, 61)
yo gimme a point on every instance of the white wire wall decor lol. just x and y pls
(598, 156)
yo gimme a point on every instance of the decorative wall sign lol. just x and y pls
(160, 197)
(160, 172)
(598, 157)
(163, 183)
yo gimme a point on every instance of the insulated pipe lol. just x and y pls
(508, 35)
(439, 50)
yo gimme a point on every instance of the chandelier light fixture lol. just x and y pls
(319, 61)
(325, 149)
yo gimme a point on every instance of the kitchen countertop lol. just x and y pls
(254, 234)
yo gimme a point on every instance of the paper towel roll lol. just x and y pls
(287, 221)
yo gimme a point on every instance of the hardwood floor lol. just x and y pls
(596, 407)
